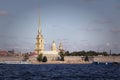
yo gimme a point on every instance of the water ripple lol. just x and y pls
(59, 72)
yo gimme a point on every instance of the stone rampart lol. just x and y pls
(10, 58)
(107, 59)
(73, 59)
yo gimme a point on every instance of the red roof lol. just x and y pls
(3, 53)
(33, 53)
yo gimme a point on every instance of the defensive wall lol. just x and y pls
(10, 58)
(69, 59)
(93, 59)
(107, 59)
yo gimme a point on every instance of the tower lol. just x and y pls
(60, 46)
(39, 39)
(54, 46)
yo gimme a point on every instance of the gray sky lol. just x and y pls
(78, 24)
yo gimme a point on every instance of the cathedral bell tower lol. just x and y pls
(54, 48)
(60, 46)
(39, 40)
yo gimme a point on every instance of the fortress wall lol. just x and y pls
(91, 59)
(10, 58)
(73, 59)
(107, 59)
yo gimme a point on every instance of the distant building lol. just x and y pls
(11, 51)
(3, 53)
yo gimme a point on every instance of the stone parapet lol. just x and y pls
(107, 59)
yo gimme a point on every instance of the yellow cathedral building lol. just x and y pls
(51, 55)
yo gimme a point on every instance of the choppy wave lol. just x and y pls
(59, 72)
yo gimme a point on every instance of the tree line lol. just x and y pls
(89, 53)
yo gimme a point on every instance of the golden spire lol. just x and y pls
(39, 30)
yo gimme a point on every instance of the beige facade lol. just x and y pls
(39, 43)
(54, 48)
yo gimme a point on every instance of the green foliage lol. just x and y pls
(86, 58)
(62, 54)
(44, 59)
(62, 58)
(104, 54)
(39, 58)
(67, 53)
(25, 57)
(84, 53)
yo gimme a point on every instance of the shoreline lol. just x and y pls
(59, 62)
(49, 62)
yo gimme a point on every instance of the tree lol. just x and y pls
(44, 59)
(25, 57)
(39, 58)
(67, 53)
(86, 58)
(62, 54)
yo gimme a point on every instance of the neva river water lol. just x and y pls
(59, 72)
